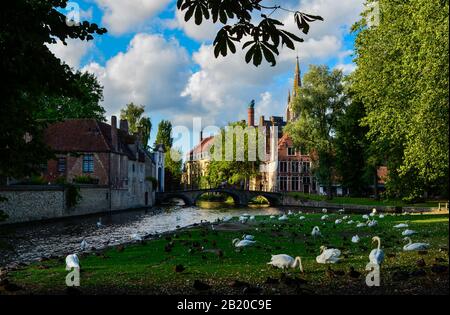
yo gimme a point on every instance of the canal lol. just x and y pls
(31, 242)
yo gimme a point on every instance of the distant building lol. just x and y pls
(196, 164)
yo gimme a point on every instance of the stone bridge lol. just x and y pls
(240, 197)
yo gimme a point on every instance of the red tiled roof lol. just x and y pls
(202, 146)
(285, 139)
(85, 135)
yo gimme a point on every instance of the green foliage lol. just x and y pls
(85, 103)
(32, 72)
(402, 80)
(137, 124)
(164, 135)
(37, 180)
(264, 38)
(73, 195)
(85, 179)
(319, 104)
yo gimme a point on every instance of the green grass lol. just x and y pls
(149, 268)
(364, 201)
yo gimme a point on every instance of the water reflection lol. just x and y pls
(31, 242)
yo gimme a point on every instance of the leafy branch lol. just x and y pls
(264, 39)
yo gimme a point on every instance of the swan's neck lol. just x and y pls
(379, 243)
(298, 263)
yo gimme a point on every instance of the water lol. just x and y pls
(31, 242)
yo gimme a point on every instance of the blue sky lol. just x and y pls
(150, 56)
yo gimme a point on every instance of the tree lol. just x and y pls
(173, 161)
(137, 124)
(83, 104)
(262, 39)
(319, 104)
(402, 80)
(32, 72)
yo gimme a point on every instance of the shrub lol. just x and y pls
(73, 195)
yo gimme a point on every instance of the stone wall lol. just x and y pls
(33, 203)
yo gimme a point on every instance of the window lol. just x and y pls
(294, 183)
(282, 184)
(295, 166)
(283, 167)
(291, 151)
(61, 165)
(88, 163)
(305, 167)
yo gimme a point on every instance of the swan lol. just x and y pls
(376, 256)
(324, 210)
(284, 261)
(345, 217)
(248, 237)
(252, 218)
(283, 218)
(83, 245)
(372, 223)
(374, 212)
(315, 232)
(328, 256)
(341, 211)
(290, 212)
(414, 246)
(243, 219)
(350, 222)
(242, 243)
(359, 225)
(324, 217)
(272, 217)
(365, 217)
(302, 218)
(72, 262)
(408, 232)
(338, 221)
(401, 226)
(381, 216)
(355, 239)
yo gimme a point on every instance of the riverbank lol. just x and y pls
(202, 260)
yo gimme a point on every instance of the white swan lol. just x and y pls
(338, 221)
(401, 226)
(408, 232)
(376, 256)
(83, 245)
(359, 225)
(302, 218)
(242, 243)
(283, 218)
(290, 212)
(248, 237)
(381, 216)
(315, 232)
(372, 223)
(284, 261)
(355, 239)
(324, 217)
(272, 217)
(328, 256)
(324, 210)
(72, 262)
(341, 211)
(350, 222)
(345, 217)
(365, 217)
(414, 246)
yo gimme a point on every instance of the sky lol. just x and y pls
(151, 57)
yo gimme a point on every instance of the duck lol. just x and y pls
(316, 232)
(283, 218)
(401, 226)
(408, 232)
(72, 262)
(284, 261)
(328, 255)
(376, 256)
(414, 246)
(355, 239)
(242, 243)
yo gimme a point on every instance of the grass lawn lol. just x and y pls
(365, 201)
(208, 256)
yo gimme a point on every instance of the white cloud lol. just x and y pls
(73, 52)
(201, 33)
(346, 68)
(122, 16)
(152, 72)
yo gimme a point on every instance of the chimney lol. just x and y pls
(114, 139)
(251, 114)
(124, 125)
(201, 136)
(261, 121)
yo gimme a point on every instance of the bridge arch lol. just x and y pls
(236, 198)
(271, 198)
(187, 201)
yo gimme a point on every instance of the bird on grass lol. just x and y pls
(328, 255)
(376, 256)
(72, 262)
(401, 226)
(283, 218)
(248, 237)
(355, 239)
(414, 246)
(284, 261)
(242, 243)
(315, 232)
(408, 232)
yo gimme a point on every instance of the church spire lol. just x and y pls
(297, 78)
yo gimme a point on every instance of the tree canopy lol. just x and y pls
(402, 80)
(136, 122)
